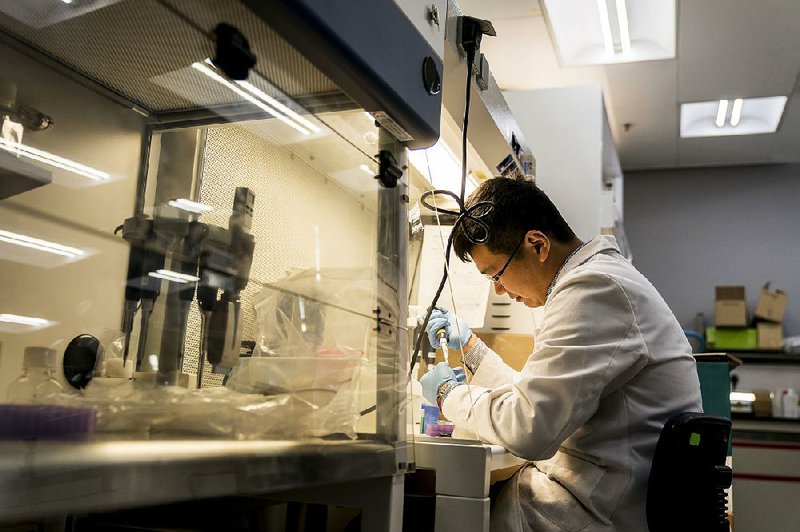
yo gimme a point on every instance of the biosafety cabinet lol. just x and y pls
(203, 238)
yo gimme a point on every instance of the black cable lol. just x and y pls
(472, 214)
(465, 126)
(462, 214)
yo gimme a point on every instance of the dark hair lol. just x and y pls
(519, 206)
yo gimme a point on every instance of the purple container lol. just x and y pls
(46, 422)
(439, 429)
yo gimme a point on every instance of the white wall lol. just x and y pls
(83, 296)
(564, 128)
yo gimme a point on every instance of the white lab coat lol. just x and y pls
(610, 365)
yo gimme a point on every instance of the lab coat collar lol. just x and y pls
(599, 244)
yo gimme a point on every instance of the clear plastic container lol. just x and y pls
(37, 383)
(791, 409)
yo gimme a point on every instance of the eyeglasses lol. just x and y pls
(496, 277)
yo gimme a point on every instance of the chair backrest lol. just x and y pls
(688, 476)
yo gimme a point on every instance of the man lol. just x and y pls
(610, 365)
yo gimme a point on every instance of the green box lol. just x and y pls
(742, 339)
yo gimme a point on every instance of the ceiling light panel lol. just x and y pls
(748, 116)
(596, 32)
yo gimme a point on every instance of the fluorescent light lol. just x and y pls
(249, 97)
(709, 119)
(736, 112)
(24, 320)
(722, 111)
(605, 26)
(743, 397)
(67, 1)
(441, 167)
(39, 244)
(611, 31)
(170, 275)
(622, 20)
(15, 324)
(189, 205)
(255, 91)
(364, 168)
(18, 149)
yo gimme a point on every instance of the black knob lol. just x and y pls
(430, 76)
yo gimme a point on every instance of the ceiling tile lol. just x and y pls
(737, 48)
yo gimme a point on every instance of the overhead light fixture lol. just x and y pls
(747, 116)
(622, 22)
(366, 169)
(191, 206)
(177, 277)
(39, 244)
(441, 168)
(722, 111)
(42, 156)
(605, 26)
(614, 31)
(258, 98)
(736, 113)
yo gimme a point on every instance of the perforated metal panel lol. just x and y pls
(131, 47)
(292, 199)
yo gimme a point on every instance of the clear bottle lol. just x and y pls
(791, 408)
(37, 383)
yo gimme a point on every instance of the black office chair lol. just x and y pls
(688, 477)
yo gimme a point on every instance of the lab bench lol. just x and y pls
(464, 471)
(42, 479)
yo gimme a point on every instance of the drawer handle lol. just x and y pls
(501, 315)
(501, 304)
(501, 328)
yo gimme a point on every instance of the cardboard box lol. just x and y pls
(771, 305)
(730, 307)
(762, 406)
(514, 348)
(770, 336)
(740, 339)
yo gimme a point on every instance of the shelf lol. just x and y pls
(766, 357)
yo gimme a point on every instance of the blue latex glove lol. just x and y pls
(458, 332)
(432, 380)
(460, 375)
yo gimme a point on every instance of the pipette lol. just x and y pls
(441, 335)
